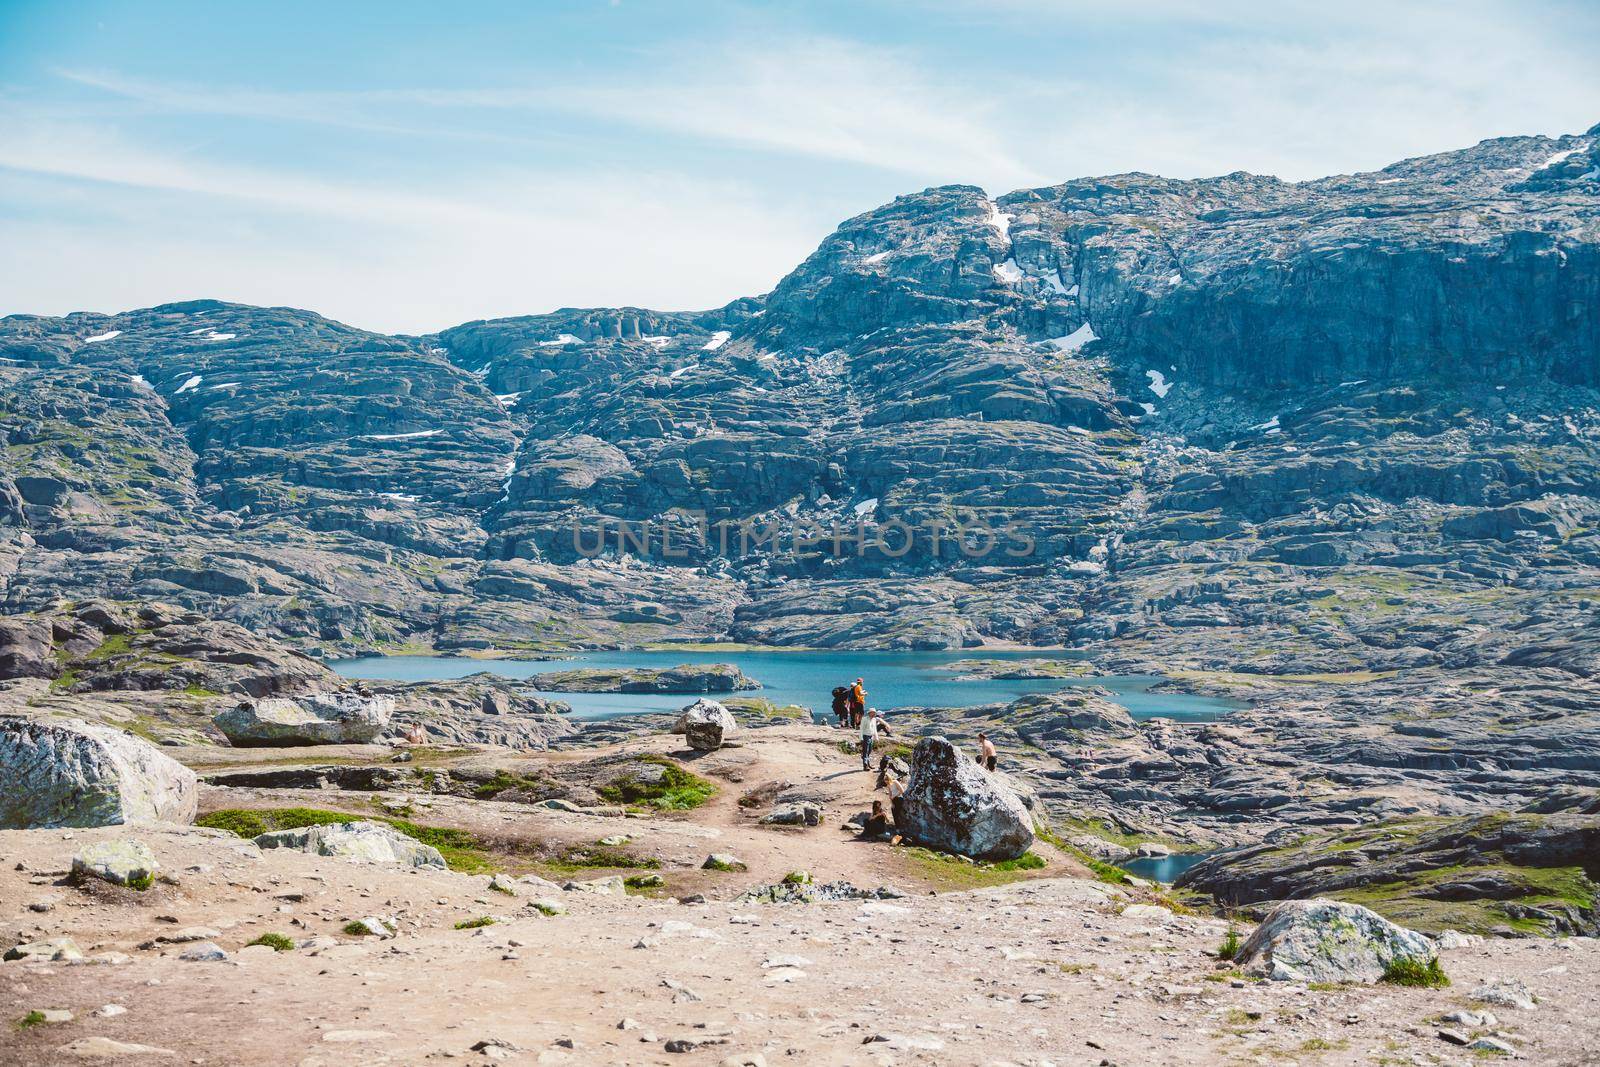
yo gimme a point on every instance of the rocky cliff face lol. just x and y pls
(1236, 422)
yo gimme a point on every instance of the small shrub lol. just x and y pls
(30, 1020)
(142, 882)
(356, 928)
(473, 924)
(276, 942)
(797, 878)
(1231, 944)
(1410, 972)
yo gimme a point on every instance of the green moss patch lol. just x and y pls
(276, 942)
(474, 924)
(676, 789)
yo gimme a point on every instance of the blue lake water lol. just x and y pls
(1163, 868)
(893, 680)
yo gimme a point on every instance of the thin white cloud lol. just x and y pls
(380, 257)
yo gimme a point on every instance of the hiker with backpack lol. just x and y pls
(858, 702)
(841, 704)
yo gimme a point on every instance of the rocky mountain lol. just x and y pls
(1236, 423)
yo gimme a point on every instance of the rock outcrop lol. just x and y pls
(311, 719)
(686, 678)
(361, 842)
(73, 773)
(953, 805)
(1330, 941)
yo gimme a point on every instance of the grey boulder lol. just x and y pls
(312, 719)
(1323, 940)
(953, 805)
(362, 842)
(706, 723)
(127, 863)
(67, 772)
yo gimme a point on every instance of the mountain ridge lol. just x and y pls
(1195, 396)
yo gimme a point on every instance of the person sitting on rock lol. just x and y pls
(986, 753)
(871, 723)
(877, 827)
(858, 702)
(415, 734)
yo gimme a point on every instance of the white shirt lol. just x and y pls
(869, 725)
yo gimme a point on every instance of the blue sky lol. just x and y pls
(407, 166)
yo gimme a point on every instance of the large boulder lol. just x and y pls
(705, 724)
(954, 805)
(363, 842)
(67, 772)
(1323, 940)
(314, 719)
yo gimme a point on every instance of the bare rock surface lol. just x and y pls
(307, 719)
(1330, 941)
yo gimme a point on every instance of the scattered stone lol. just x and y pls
(1492, 1044)
(204, 952)
(1453, 939)
(501, 884)
(105, 1048)
(723, 861)
(122, 862)
(59, 949)
(1506, 993)
(367, 842)
(803, 813)
(614, 886)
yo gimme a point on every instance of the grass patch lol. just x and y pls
(640, 882)
(30, 1020)
(1104, 872)
(475, 924)
(276, 942)
(461, 850)
(954, 872)
(595, 857)
(356, 928)
(504, 781)
(1415, 973)
(676, 789)
(1231, 944)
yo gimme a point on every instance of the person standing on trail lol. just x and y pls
(871, 723)
(858, 702)
(986, 753)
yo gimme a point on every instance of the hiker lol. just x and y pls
(877, 826)
(871, 723)
(858, 702)
(986, 752)
(841, 704)
(416, 735)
